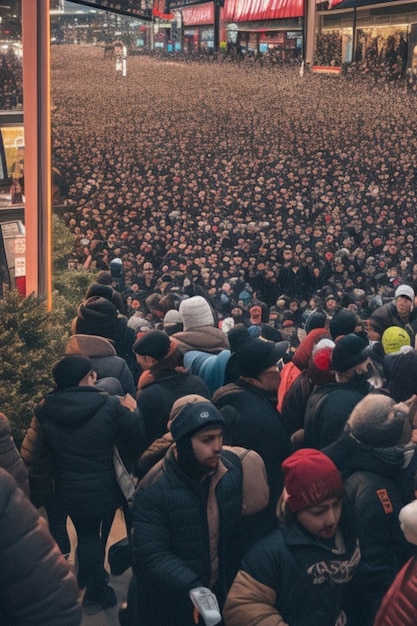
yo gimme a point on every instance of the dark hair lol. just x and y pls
(104, 278)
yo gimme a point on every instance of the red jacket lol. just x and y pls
(399, 608)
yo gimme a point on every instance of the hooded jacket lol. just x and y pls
(386, 315)
(327, 411)
(253, 422)
(98, 316)
(74, 431)
(205, 338)
(156, 399)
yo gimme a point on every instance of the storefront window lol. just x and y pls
(385, 48)
(329, 48)
(253, 42)
(347, 45)
(207, 38)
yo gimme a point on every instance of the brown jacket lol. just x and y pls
(206, 339)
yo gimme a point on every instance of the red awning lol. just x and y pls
(198, 14)
(248, 10)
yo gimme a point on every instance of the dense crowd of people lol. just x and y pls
(11, 80)
(255, 269)
(210, 188)
(207, 213)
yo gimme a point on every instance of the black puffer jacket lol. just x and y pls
(171, 538)
(328, 408)
(104, 359)
(204, 338)
(79, 427)
(37, 586)
(292, 578)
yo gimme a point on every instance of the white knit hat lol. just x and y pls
(172, 318)
(407, 292)
(408, 521)
(196, 312)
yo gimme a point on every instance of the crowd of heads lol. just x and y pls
(204, 194)
(182, 172)
(11, 80)
(221, 178)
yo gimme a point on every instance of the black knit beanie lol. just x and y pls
(70, 370)
(154, 343)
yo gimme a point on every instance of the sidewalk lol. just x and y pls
(94, 615)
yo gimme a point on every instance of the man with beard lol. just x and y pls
(297, 575)
(188, 516)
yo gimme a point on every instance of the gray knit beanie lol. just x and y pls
(196, 312)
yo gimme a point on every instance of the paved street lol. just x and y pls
(94, 615)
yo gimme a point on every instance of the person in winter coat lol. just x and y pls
(296, 575)
(400, 312)
(164, 380)
(378, 475)
(400, 371)
(10, 458)
(248, 407)
(329, 405)
(37, 584)
(74, 431)
(199, 331)
(194, 514)
(318, 373)
(104, 358)
(99, 316)
(398, 607)
(291, 410)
